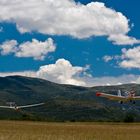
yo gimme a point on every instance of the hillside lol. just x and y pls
(64, 102)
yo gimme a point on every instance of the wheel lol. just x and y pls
(134, 102)
(121, 102)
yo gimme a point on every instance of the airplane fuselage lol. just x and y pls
(14, 107)
(128, 97)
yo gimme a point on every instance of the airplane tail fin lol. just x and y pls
(119, 93)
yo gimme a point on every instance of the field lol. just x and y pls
(16, 130)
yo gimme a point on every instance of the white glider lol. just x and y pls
(15, 107)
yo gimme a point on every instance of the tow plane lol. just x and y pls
(12, 105)
(129, 96)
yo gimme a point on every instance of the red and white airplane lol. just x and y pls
(128, 97)
(12, 105)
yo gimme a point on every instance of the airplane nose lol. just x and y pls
(98, 94)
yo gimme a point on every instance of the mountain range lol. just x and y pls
(64, 102)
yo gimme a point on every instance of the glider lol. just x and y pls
(12, 105)
(128, 97)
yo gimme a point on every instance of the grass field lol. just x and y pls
(15, 130)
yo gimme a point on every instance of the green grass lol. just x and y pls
(15, 130)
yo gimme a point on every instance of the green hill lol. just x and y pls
(64, 102)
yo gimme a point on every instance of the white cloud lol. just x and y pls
(8, 47)
(66, 17)
(121, 39)
(36, 49)
(112, 80)
(62, 72)
(81, 81)
(107, 58)
(131, 58)
(21, 73)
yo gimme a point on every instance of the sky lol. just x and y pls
(82, 42)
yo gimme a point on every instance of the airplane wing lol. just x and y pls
(5, 107)
(111, 97)
(32, 105)
(136, 98)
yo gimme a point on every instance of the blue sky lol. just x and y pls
(88, 53)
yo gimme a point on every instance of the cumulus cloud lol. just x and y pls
(107, 58)
(36, 49)
(66, 17)
(120, 39)
(62, 72)
(131, 58)
(8, 47)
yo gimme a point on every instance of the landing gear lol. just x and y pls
(121, 102)
(134, 102)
